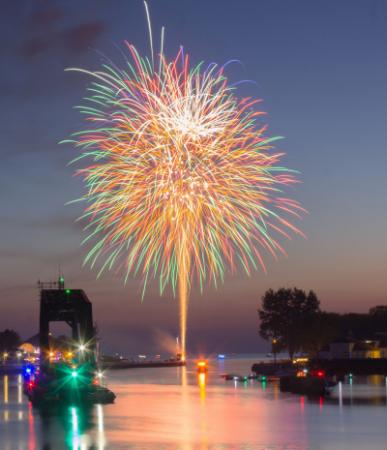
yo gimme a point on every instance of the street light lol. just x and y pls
(82, 347)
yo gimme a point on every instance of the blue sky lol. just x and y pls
(321, 69)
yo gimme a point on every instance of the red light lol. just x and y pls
(202, 366)
(319, 373)
(31, 384)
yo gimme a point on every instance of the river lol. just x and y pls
(173, 409)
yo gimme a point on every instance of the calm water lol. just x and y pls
(171, 408)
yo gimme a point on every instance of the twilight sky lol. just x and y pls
(320, 67)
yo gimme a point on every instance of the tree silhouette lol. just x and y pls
(9, 340)
(286, 316)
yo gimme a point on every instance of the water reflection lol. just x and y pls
(54, 427)
(74, 435)
(6, 389)
(101, 429)
(19, 390)
(340, 389)
(276, 390)
(6, 397)
(203, 427)
(31, 429)
(375, 380)
(80, 427)
(183, 373)
(202, 380)
(302, 404)
(181, 409)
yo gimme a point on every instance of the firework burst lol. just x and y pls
(182, 181)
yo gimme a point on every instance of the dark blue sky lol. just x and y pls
(321, 68)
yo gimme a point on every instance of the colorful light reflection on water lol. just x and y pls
(177, 408)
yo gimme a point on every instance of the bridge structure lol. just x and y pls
(73, 307)
(68, 369)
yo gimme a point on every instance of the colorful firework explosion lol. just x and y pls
(183, 182)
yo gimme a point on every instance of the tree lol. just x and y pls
(9, 340)
(285, 316)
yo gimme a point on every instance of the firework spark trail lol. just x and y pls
(181, 180)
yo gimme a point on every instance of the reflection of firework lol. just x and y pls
(182, 182)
